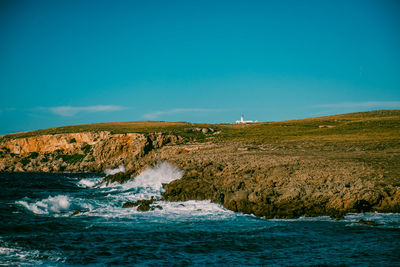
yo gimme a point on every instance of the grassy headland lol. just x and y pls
(351, 127)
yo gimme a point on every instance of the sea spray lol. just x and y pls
(154, 178)
(108, 172)
(145, 186)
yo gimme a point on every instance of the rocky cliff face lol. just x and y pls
(285, 182)
(78, 152)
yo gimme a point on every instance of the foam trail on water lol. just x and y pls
(121, 168)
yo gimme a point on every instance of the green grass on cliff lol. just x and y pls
(363, 126)
(383, 125)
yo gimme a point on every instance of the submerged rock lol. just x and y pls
(367, 222)
(76, 212)
(142, 205)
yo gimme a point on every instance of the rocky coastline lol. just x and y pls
(268, 179)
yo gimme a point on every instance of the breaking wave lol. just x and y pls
(108, 172)
(107, 201)
(57, 204)
(154, 178)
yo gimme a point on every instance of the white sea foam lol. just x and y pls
(305, 219)
(57, 204)
(121, 168)
(193, 208)
(200, 209)
(89, 182)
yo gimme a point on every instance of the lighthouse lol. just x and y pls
(243, 121)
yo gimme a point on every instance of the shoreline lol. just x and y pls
(281, 169)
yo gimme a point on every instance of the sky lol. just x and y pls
(78, 62)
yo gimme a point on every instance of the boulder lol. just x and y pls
(128, 204)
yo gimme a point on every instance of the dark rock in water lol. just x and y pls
(366, 222)
(120, 177)
(143, 205)
(76, 212)
(156, 207)
(128, 204)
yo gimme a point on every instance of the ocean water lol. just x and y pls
(36, 228)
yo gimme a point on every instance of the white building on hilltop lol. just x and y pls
(243, 121)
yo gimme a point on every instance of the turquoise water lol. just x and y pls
(36, 227)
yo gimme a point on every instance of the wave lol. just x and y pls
(89, 182)
(57, 205)
(154, 178)
(12, 254)
(108, 172)
(147, 184)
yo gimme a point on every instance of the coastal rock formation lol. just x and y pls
(286, 183)
(80, 152)
(282, 170)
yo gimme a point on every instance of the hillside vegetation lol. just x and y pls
(353, 127)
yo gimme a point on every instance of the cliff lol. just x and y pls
(80, 152)
(320, 166)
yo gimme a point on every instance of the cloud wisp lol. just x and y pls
(69, 111)
(156, 114)
(368, 104)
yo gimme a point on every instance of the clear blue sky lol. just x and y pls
(73, 62)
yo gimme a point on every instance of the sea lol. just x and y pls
(70, 219)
